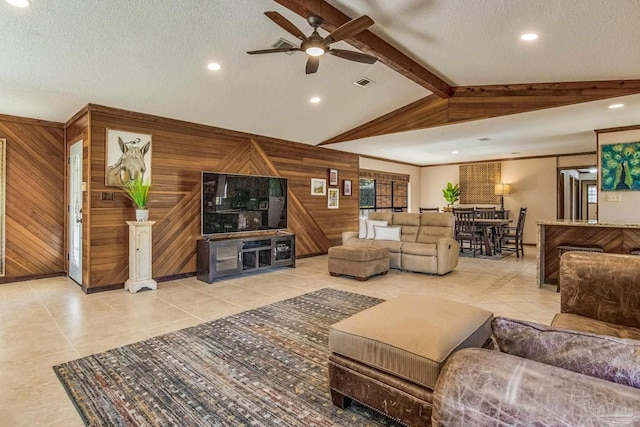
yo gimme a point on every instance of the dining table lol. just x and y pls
(487, 224)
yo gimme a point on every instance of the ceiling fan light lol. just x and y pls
(315, 51)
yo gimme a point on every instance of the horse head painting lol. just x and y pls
(131, 164)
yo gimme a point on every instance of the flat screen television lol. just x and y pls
(233, 203)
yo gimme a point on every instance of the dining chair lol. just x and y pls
(488, 213)
(429, 210)
(515, 234)
(466, 230)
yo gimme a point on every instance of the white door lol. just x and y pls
(75, 212)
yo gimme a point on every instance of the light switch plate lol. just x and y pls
(615, 197)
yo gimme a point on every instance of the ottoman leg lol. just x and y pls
(339, 399)
(334, 274)
(384, 273)
(361, 279)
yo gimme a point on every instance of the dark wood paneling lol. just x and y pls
(180, 153)
(481, 102)
(34, 197)
(611, 239)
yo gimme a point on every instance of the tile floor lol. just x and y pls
(50, 321)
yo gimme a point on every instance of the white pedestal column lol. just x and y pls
(140, 257)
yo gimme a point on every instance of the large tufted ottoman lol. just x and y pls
(361, 262)
(389, 356)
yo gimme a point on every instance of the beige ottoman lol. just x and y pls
(389, 356)
(361, 262)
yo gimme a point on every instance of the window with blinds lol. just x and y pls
(382, 190)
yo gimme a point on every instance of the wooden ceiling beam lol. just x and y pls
(371, 44)
(470, 103)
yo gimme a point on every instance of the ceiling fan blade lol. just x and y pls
(286, 25)
(312, 64)
(280, 49)
(348, 29)
(353, 56)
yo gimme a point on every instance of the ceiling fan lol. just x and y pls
(315, 45)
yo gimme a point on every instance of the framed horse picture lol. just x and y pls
(128, 157)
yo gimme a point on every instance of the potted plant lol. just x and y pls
(138, 192)
(451, 194)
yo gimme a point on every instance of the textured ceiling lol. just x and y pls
(150, 56)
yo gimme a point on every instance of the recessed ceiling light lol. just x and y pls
(529, 37)
(213, 66)
(454, 152)
(612, 106)
(315, 100)
(19, 3)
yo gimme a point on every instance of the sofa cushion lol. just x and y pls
(386, 233)
(409, 233)
(372, 223)
(406, 218)
(609, 358)
(436, 219)
(429, 234)
(394, 246)
(362, 228)
(381, 216)
(586, 324)
(424, 249)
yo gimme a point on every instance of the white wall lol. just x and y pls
(434, 179)
(412, 171)
(533, 185)
(627, 209)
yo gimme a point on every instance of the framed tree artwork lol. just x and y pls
(333, 200)
(318, 187)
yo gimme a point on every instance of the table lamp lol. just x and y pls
(502, 190)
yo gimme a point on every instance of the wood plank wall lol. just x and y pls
(34, 198)
(180, 152)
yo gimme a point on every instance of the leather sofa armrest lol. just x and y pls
(448, 252)
(484, 387)
(601, 286)
(347, 235)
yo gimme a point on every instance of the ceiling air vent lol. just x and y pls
(364, 82)
(282, 43)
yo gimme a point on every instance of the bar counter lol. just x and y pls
(611, 237)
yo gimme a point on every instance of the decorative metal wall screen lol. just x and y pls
(477, 183)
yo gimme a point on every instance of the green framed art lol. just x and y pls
(620, 166)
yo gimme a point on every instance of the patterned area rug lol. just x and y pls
(263, 367)
(496, 256)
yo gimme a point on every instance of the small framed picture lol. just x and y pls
(333, 176)
(333, 200)
(318, 187)
(346, 187)
(263, 205)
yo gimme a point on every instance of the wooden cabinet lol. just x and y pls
(140, 259)
(223, 257)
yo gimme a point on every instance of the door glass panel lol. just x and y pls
(76, 209)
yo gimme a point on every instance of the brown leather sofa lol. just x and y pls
(584, 370)
(425, 244)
